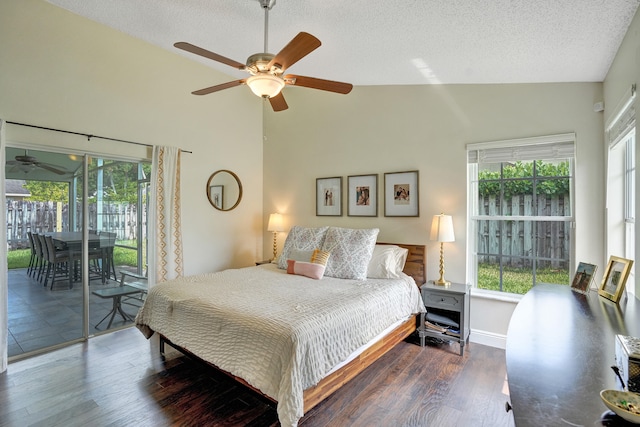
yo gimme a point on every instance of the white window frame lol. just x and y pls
(630, 203)
(560, 146)
(621, 186)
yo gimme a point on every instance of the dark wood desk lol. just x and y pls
(560, 349)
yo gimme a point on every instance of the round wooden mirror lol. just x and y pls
(224, 190)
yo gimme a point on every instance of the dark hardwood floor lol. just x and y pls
(120, 379)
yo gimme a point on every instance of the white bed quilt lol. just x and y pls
(280, 332)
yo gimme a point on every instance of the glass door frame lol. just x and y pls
(75, 188)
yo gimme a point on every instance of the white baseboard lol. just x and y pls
(488, 338)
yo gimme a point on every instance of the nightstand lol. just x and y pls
(266, 261)
(449, 304)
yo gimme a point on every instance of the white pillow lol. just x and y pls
(298, 255)
(387, 262)
(351, 250)
(301, 239)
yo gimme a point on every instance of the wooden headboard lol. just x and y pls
(416, 265)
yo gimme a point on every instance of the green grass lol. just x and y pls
(516, 280)
(18, 258)
(123, 256)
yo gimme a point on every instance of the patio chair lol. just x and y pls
(33, 258)
(97, 259)
(135, 281)
(108, 263)
(38, 253)
(41, 249)
(58, 262)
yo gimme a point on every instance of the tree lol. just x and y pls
(119, 183)
(47, 191)
(552, 179)
(119, 180)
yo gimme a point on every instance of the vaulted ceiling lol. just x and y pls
(391, 42)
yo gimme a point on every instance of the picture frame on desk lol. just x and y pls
(615, 278)
(584, 276)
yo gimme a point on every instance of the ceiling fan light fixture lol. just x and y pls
(265, 85)
(26, 168)
(267, 69)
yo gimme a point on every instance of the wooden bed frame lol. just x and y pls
(415, 267)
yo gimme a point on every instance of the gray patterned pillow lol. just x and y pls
(351, 250)
(301, 239)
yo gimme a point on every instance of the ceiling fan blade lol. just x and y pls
(50, 168)
(208, 54)
(301, 45)
(278, 103)
(321, 84)
(219, 87)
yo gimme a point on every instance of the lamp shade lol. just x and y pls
(265, 85)
(442, 228)
(275, 223)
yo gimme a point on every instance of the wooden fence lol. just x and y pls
(42, 217)
(547, 241)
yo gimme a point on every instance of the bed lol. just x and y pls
(290, 337)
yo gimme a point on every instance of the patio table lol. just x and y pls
(116, 293)
(71, 241)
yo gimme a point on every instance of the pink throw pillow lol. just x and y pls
(307, 269)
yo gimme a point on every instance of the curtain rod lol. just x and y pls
(89, 136)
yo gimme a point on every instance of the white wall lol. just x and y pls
(400, 128)
(625, 71)
(62, 71)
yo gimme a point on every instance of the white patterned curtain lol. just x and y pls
(165, 234)
(4, 283)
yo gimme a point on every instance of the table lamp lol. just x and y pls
(442, 231)
(275, 225)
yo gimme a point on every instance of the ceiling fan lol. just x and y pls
(27, 163)
(266, 69)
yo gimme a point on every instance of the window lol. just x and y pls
(521, 212)
(630, 198)
(621, 171)
(621, 198)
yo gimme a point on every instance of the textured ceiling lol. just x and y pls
(371, 42)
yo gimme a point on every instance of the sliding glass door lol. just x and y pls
(116, 223)
(70, 241)
(45, 296)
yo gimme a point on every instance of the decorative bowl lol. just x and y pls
(623, 403)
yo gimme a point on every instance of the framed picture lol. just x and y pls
(362, 195)
(329, 196)
(615, 278)
(217, 192)
(401, 194)
(584, 276)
